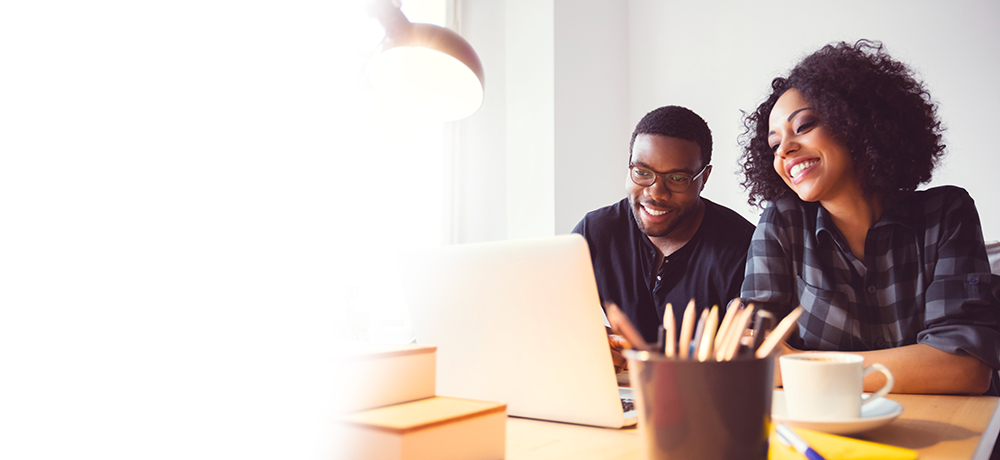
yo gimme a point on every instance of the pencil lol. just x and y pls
(780, 332)
(621, 325)
(731, 310)
(720, 351)
(762, 326)
(698, 331)
(687, 327)
(708, 334)
(670, 347)
(736, 332)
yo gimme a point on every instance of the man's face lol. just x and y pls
(659, 211)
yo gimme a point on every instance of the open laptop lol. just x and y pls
(519, 322)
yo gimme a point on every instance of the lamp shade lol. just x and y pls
(427, 69)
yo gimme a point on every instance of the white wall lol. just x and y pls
(554, 118)
(614, 61)
(592, 130)
(530, 116)
(719, 58)
(479, 182)
(504, 167)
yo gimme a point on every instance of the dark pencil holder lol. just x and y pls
(702, 410)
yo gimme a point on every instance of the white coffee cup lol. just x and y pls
(827, 386)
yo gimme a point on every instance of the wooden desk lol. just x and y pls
(937, 427)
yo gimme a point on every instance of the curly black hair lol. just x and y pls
(679, 122)
(867, 100)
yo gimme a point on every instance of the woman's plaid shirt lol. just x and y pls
(926, 278)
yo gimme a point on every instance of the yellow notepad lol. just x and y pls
(834, 447)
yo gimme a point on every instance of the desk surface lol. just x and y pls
(937, 427)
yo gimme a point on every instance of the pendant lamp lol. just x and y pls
(423, 68)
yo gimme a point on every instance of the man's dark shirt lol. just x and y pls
(708, 269)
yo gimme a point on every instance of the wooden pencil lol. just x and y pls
(736, 332)
(708, 335)
(780, 333)
(670, 347)
(731, 310)
(620, 324)
(687, 327)
(698, 331)
(720, 351)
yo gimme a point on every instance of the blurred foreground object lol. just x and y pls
(377, 375)
(392, 410)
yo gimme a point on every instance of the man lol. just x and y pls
(664, 243)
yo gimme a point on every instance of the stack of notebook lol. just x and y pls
(391, 412)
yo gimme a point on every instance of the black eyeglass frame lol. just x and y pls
(667, 183)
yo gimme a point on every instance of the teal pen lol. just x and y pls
(790, 438)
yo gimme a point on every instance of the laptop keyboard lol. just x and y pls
(627, 405)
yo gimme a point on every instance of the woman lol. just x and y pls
(837, 150)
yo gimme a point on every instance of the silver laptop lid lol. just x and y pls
(518, 322)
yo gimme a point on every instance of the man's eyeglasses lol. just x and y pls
(675, 181)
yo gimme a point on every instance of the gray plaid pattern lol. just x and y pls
(926, 278)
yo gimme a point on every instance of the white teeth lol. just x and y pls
(654, 212)
(799, 167)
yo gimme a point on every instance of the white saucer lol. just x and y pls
(873, 415)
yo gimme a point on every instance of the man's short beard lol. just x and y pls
(671, 226)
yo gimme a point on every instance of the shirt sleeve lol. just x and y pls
(768, 281)
(738, 270)
(961, 311)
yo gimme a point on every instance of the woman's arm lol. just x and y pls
(920, 368)
(960, 312)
